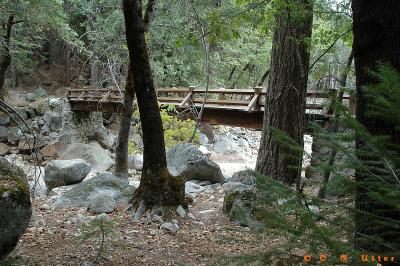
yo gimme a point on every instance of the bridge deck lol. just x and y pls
(237, 107)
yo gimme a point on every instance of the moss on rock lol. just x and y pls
(15, 206)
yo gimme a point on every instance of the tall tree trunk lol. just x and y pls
(157, 186)
(286, 95)
(6, 57)
(121, 153)
(335, 126)
(376, 27)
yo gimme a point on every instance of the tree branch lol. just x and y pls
(329, 48)
(149, 14)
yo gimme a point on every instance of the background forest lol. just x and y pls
(87, 37)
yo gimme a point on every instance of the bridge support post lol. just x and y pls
(221, 96)
(255, 101)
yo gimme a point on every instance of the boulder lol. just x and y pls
(65, 172)
(53, 120)
(82, 194)
(41, 108)
(102, 202)
(135, 161)
(30, 143)
(181, 211)
(15, 206)
(53, 147)
(15, 134)
(246, 177)
(170, 227)
(105, 138)
(3, 133)
(4, 149)
(21, 113)
(30, 112)
(192, 189)
(204, 140)
(238, 206)
(137, 139)
(235, 186)
(92, 153)
(226, 146)
(186, 160)
(4, 119)
(205, 151)
(36, 94)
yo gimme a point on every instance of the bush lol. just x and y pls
(175, 130)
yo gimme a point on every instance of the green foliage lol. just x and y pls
(385, 96)
(100, 230)
(101, 27)
(176, 130)
(133, 148)
(32, 29)
(340, 186)
(233, 31)
(291, 217)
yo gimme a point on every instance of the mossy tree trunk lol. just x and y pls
(6, 56)
(376, 28)
(286, 95)
(157, 186)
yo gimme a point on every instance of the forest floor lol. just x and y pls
(210, 239)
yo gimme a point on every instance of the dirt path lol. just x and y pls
(52, 238)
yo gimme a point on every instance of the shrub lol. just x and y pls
(176, 130)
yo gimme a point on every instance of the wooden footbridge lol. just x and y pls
(233, 107)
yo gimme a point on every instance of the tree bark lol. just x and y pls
(157, 186)
(6, 58)
(376, 28)
(149, 14)
(335, 127)
(286, 95)
(121, 153)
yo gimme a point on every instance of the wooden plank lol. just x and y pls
(94, 107)
(217, 91)
(172, 90)
(94, 89)
(221, 102)
(95, 97)
(170, 99)
(253, 103)
(187, 98)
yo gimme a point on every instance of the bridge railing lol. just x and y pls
(245, 99)
(94, 95)
(248, 100)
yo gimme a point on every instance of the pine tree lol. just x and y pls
(287, 87)
(376, 40)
